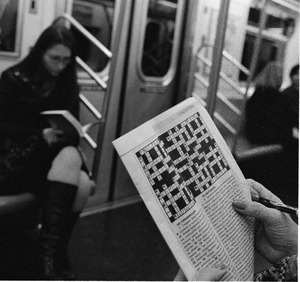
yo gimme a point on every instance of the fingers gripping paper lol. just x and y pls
(187, 177)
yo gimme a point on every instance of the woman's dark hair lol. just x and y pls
(51, 36)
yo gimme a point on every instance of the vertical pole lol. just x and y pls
(107, 98)
(257, 43)
(217, 57)
(253, 64)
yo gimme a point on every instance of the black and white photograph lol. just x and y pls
(149, 140)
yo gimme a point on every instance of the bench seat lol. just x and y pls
(16, 203)
(19, 211)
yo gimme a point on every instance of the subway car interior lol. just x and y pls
(136, 59)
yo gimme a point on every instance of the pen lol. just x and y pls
(277, 206)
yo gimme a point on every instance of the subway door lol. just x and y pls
(150, 86)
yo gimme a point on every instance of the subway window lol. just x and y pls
(97, 17)
(268, 52)
(159, 35)
(277, 30)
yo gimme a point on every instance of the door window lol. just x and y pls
(159, 37)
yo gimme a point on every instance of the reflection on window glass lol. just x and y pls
(97, 18)
(158, 44)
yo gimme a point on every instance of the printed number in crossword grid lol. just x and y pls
(181, 164)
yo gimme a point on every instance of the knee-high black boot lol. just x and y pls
(59, 205)
(62, 258)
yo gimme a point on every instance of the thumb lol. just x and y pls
(210, 274)
(205, 274)
(257, 210)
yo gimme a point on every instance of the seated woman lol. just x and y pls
(37, 158)
(264, 122)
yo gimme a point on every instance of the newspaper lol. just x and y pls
(187, 177)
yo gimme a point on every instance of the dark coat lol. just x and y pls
(265, 117)
(21, 124)
(291, 98)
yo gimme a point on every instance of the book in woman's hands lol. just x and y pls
(188, 179)
(63, 120)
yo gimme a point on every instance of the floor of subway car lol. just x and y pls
(122, 243)
(118, 244)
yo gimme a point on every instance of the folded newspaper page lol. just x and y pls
(187, 177)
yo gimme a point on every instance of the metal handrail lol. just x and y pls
(205, 83)
(90, 106)
(227, 56)
(216, 115)
(249, 72)
(97, 79)
(225, 123)
(219, 94)
(235, 62)
(100, 81)
(87, 34)
(294, 6)
(223, 75)
(228, 80)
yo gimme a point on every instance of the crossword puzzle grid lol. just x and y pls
(181, 164)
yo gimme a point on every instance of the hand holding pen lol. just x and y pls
(275, 205)
(276, 234)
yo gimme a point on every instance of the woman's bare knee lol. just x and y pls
(66, 166)
(68, 157)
